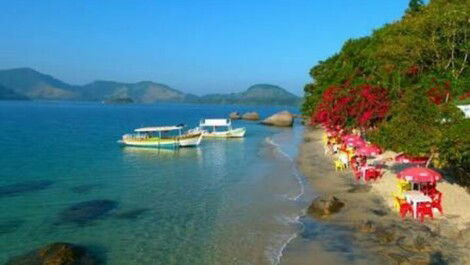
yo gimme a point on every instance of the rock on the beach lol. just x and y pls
(235, 115)
(323, 207)
(55, 254)
(84, 212)
(281, 119)
(251, 116)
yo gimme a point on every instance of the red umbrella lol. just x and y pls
(403, 158)
(369, 150)
(419, 175)
(351, 137)
(354, 140)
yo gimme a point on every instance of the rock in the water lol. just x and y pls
(131, 214)
(235, 115)
(55, 254)
(251, 116)
(10, 226)
(280, 119)
(85, 188)
(23, 187)
(84, 212)
(324, 207)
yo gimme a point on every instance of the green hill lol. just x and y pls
(257, 94)
(26, 82)
(6, 93)
(35, 85)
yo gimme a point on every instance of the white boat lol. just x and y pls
(211, 128)
(160, 137)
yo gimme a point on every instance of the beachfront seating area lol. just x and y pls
(416, 194)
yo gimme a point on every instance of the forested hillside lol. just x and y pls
(401, 84)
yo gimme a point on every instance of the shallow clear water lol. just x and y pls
(225, 202)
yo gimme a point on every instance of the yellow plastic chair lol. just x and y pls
(339, 165)
(403, 185)
(397, 197)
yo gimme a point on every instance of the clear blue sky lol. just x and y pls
(195, 46)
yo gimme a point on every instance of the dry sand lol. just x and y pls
(370, 225)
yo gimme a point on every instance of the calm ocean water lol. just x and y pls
(225, 202)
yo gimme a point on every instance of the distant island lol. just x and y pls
(26, 83)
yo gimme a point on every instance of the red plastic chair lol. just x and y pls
(424, 209)
(405, 207)
(372, 174)
(436, 201)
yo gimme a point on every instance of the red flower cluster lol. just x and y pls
(439, 92)
(464, 96)
(361, 106)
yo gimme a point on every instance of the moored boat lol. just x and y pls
(160, 137)
(209, 128)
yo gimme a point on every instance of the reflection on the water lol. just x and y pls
(151, 153)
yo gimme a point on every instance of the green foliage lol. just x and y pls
(415, 6)
(413, 126)
(422, 61)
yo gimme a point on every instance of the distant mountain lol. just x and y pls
(141, 92)
(28, 83)
(35, 85)
(9, 94)
(256, 94)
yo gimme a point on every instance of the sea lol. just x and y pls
(64, 178)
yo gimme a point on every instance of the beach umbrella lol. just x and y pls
(419, 175)
(354, 140)
(403, 158)
(351, 137)
(369, 150)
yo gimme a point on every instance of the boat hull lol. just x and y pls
(155, 142)
(234, 133)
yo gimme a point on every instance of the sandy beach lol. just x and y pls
(367, 230)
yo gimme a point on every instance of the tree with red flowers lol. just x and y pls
(346, 106)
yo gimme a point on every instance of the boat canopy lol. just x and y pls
(158, 129)
(215, 122)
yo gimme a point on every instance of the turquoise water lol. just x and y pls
(225, 202)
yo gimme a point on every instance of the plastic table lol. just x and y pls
(414, 197)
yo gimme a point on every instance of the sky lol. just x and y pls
(195, 46)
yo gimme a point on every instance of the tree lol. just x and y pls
(414, 6)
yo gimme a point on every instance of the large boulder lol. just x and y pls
(281, 119)
(323, 207)
(55, 254)
(235, 115)
(251, 116)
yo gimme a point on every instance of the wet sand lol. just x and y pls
(367, 230)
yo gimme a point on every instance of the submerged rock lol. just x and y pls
(131, 214)
(85, 188)
(280, 119)
(23, 187)
(10, 226)
(56, 254)
(84, 212)
(235, 116)
(323, 207)
(251, 116)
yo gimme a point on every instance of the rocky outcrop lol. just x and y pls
(85, 212)
(323, 207)
(251, 116)
(55, 254)
(281, 119)
(235, 116)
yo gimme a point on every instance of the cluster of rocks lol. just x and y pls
(56, 254)
(280, 119)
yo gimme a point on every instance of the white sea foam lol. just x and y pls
(275, 255)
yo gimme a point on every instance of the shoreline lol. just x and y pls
(367, 230)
